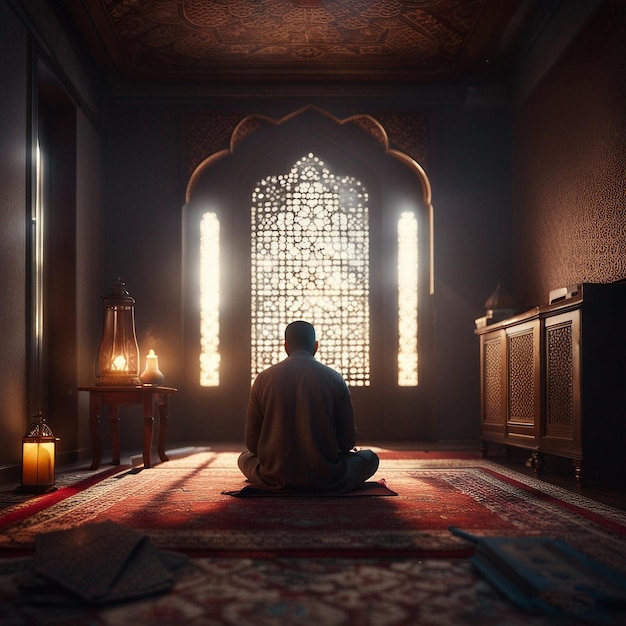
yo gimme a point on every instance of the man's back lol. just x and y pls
(300, 427)
(299, 417)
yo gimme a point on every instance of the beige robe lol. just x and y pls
(299, 418)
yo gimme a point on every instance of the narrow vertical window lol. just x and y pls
(407, 300)
(37, 277)
(209, 300)
(38, 224)
(310, 260)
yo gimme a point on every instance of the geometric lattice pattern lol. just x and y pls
(201, 40)
(493, 382)
(559, 376)
(310, 260)
(571, 219)
(521, 378)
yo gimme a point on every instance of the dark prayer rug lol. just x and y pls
(370, 488)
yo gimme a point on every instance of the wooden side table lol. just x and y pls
(150, 398)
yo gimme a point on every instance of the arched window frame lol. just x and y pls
(224, 183)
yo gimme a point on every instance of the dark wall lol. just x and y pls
(144, 196)
(13, 164)
(569, 189)
(471, 195)
(42, 78)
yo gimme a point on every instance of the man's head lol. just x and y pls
(300, 335)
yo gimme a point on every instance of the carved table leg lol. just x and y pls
(114, 422)
(149, 402)
(164, 414)
(94, 430)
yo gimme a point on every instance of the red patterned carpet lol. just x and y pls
(324, 560)
(180, 505)
(294, 592)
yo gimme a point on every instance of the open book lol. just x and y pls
(550, 576)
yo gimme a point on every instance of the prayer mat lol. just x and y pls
(370, 488)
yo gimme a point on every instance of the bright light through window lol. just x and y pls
(38, 228)
(209, 300)
(310, 260)
(407, 300)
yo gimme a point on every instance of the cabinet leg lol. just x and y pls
(538, 462)
(484, 449)
(578, 470)
(507, 452)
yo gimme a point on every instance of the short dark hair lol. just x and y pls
(300, 335)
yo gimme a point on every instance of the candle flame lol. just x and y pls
(119, 363)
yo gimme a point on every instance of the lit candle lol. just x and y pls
(38, 463)
(152, 375)
(119, 363)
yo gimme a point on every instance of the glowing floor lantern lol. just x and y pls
(38, 454)
(118, 358)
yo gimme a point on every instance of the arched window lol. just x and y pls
(310, 217)
(309, 259)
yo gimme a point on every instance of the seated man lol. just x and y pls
(300, 428)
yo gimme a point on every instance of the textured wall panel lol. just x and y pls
(569, 167)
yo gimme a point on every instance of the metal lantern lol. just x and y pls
(118, 358)
(38, 454)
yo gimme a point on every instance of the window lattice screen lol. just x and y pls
(310, 260)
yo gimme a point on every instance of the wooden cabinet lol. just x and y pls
(553, 381)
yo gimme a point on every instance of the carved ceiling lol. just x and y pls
(236, 40)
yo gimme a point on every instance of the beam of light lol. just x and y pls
(209, 300)
(407, 300)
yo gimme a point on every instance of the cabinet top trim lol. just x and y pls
(587, 291)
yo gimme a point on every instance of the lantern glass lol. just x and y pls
(38, 457)
(118, 358)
